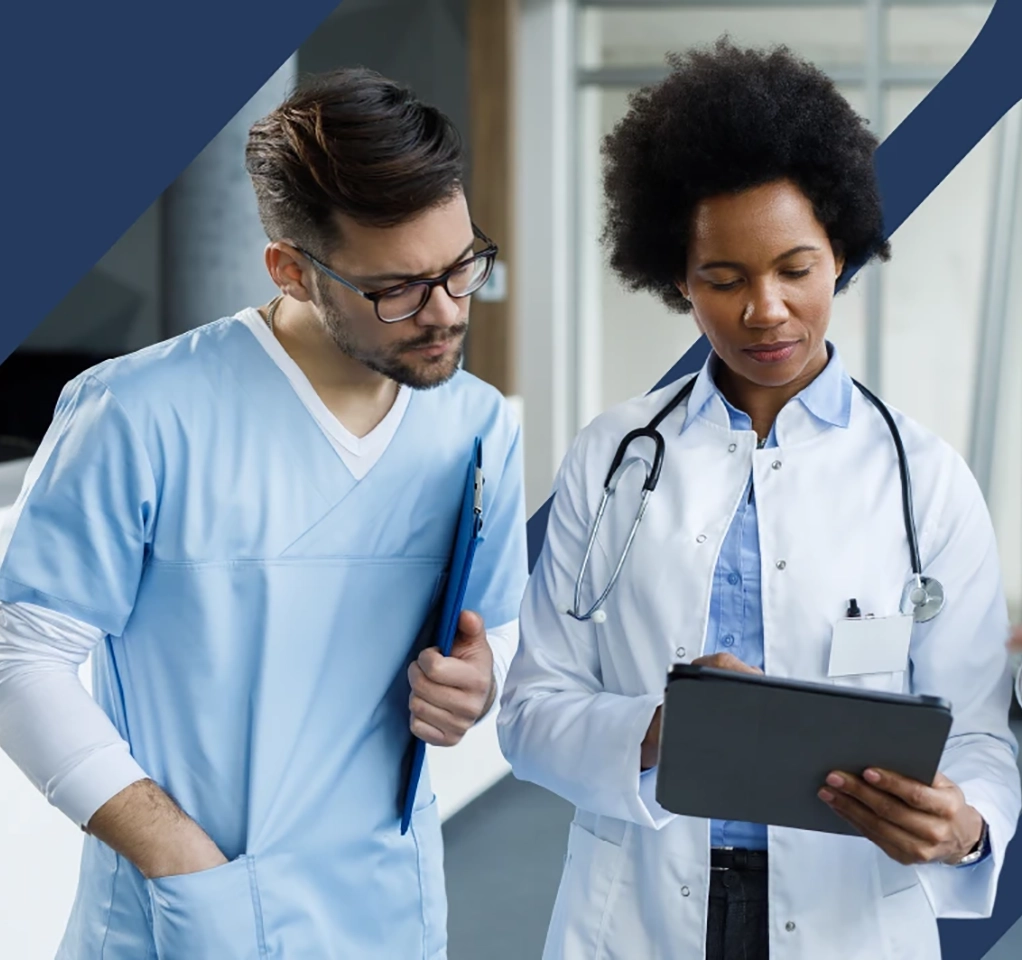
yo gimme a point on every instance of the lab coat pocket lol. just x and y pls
(585, 897)
(907, 925)
(893, 876)
(211, 914)
(430, 848)
(870, 652)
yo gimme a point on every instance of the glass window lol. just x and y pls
(935, 35)
(623, 36)
(1005, 497)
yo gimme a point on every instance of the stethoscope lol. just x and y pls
(924, 596)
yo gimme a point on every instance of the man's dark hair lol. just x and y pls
(352, 142)
(724, 120)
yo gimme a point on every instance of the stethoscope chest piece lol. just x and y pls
(923, 598)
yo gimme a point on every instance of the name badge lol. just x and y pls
(862, 645)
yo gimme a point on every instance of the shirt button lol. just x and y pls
(732, 447)
(680, 652)
(733, 578)
(776, 465)
(729, 641)
(685, 891)
(780, 564)
(701, 538)
(789, 926)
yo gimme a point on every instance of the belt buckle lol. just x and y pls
(728, 849)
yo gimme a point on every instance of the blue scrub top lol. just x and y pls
(261, 607)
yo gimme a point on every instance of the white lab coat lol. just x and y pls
(579, 696)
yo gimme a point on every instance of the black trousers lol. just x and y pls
(737, 921)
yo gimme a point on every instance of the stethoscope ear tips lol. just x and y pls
(599, 616)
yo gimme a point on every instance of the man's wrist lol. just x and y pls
(145, 826)
(491, 696)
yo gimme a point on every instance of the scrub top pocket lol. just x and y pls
(209, 915)
(429, 843)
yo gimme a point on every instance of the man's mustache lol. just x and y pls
(433, 338)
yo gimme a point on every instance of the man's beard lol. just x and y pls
(391, 361)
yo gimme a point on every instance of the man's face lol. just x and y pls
(424, 350)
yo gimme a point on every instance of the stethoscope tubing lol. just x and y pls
(651, 432)
(906, 479)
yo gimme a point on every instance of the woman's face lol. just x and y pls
(760, 277)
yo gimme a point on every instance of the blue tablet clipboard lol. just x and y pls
(467, 538)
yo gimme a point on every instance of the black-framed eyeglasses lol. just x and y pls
(404, 300)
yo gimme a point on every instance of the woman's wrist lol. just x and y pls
(973, 831)
(650, 747)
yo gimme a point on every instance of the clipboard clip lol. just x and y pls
(477, 504)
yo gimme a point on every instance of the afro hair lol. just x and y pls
(725, 120)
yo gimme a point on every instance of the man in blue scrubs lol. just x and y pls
(247, 527)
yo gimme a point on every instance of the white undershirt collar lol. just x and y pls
(359, 454)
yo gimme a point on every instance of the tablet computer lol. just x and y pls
(738, 746)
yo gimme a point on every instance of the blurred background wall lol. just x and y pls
(534, 85)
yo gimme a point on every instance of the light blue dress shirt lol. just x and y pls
(736, 612)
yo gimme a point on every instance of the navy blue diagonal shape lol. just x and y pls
(105, 104)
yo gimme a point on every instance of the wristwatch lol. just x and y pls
(979, 851)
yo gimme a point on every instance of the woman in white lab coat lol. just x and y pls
(738, 189)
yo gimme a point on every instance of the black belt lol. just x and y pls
(726, 858)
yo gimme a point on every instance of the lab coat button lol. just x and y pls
(776, 465)
(685, 891)
(701, 538)
(680, 652)
(789, 926)
(781, 564)
(732, 447)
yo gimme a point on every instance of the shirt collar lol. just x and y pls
(828, 397)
